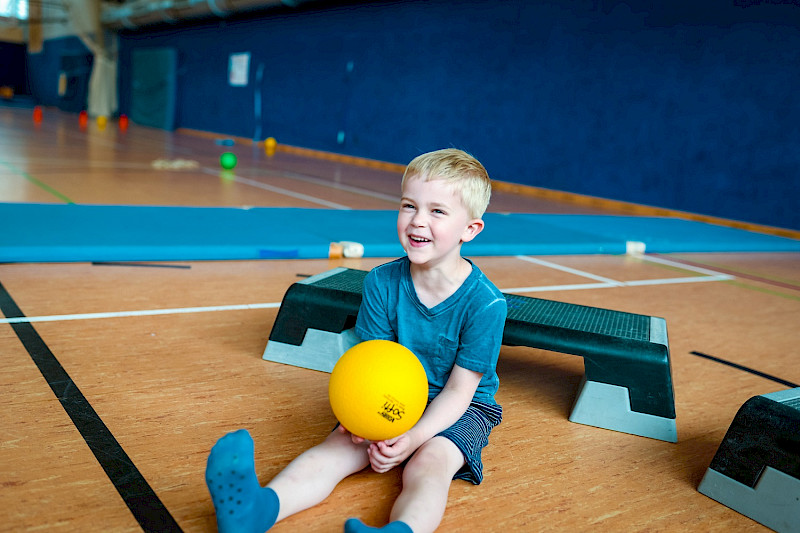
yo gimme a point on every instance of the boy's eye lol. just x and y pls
(439, 212)
(407, 206)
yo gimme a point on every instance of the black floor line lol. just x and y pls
(140, 498)
(746, 369)
(136, 264)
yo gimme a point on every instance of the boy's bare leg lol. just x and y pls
(426, 484)
(312, 476)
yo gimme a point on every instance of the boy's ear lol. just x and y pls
(474, 227)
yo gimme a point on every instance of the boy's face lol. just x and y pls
(433, 222)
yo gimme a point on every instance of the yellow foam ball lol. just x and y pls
(378, 390)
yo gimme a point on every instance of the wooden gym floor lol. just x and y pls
(167, 378)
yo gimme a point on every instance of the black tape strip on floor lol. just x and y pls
(140, 498)
(746, 369)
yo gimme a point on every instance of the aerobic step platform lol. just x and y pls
(627, 384)
(756, 470)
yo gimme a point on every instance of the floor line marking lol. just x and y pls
(133, 488)
(147, 312)
(42, 185)
(786, 284)
(59, 164)
(746, 369)
(139, 264)
(764, 290)
(672, 281)
(575, 287)
(606, 283)
(280, 190)
(635, 283)
(683, 266)
(275, 305)
(569, 270)
(339, 186)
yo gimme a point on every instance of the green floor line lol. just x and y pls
(742, 271)
(37, 182)
(763, 290)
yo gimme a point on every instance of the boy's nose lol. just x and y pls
(420, 218)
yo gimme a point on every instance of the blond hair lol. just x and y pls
(459, 169)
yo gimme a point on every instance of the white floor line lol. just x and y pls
(635, 283)
(61, 164)
(607, 283)
(692, 268)
(280, 190)
(340, 186)
(150, 312)
(563, 268)
(672, 281)
(548, 288)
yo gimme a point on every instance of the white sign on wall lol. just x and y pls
(239, 69)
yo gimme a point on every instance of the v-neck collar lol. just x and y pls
(442, 306)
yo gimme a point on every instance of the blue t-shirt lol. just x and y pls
(465, 330)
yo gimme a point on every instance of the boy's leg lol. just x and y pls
(426, 484)
(242, 505)
(312, 476)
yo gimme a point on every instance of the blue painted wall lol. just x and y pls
(68, 55)
(648, 101)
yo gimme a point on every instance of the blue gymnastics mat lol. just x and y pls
(79, 233)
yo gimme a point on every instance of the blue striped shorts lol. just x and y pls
(471, 434)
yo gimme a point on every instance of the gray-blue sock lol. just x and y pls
(242, 505)
(354, 525)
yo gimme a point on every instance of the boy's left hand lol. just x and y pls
(387, 454)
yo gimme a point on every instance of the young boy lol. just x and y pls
(442, 307)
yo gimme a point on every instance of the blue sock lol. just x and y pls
(354, 525)
(242, 505)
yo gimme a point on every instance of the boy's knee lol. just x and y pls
(437, 457)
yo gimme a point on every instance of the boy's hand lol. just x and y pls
(387, 454)
(355, 438)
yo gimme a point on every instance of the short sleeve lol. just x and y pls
(373, 320)
(482, 335)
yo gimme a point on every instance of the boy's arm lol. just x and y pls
(448, 406)
(444, 411)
